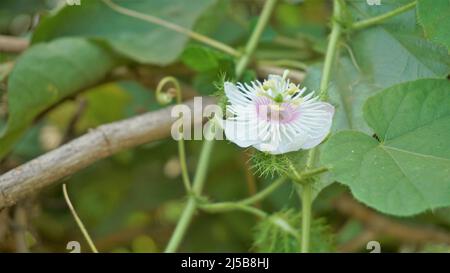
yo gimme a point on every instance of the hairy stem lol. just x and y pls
(381, 18)
(158, 21)
(254, 38)
(78, 220)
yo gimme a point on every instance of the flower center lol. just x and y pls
(278, 98)
(273, 111)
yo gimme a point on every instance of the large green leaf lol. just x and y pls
(212, 66)
(140, 40)
(219, 22)
(23, 6)
(376, 58)
(47, 73)
(395, 51)
(408, 170)
(434, 17)
(347, 91)
(201, 58)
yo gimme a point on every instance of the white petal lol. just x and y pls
(310, 130)
(289, 140)
(269, 138)
(247, 111)
(235, 96)
(318, 122)
(243, 133)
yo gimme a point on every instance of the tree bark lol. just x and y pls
(81, 152)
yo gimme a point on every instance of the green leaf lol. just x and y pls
(212, 66)
(408, 171)
(217, 23)
(395, 51)
(270, 236)
(137, 39)
(434, 17)
(348, 91)
(376, 58)
(11, 10)
(47, 73)
(201, 58)
(318, 182)
(23, 6)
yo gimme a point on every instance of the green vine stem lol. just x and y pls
(303, 176)
(381, 18)
(227, 206)
(306, 193)
(330, 55)
(197, 187)
(281, 223)
(158, 21)
(78, 220)
(264, 193)
(165, 98)
(231, 206)
(306, 196)
(254, 38)
(296, 176)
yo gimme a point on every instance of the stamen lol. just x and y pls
(285, 74)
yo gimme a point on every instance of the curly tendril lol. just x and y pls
(165, 98)
(174, 91)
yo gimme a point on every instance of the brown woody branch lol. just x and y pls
(99, 143)
(383, 225)
(13, 44)
(295, 75)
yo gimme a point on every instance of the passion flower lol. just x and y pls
(275, 116)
